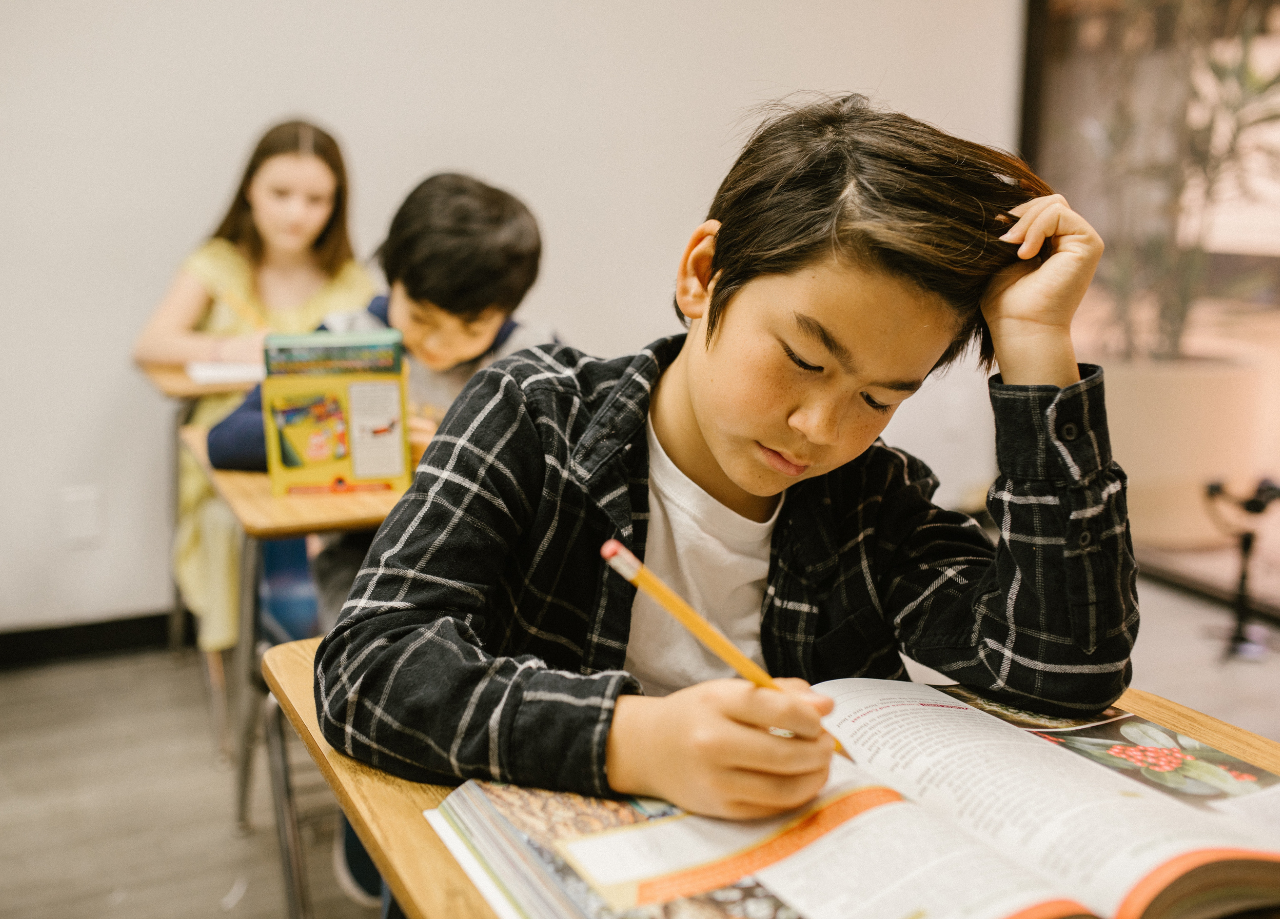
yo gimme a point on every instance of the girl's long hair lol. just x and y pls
(332, 248)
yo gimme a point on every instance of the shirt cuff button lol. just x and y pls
(1068, 431)
(1085, 538)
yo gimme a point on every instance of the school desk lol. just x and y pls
(172, 380)
(262, 515)
(429, 884)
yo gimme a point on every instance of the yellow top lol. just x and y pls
(237, 309)
(206, 544)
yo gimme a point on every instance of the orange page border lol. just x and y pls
(1053, 909)
(1147, 889)
(725, 871)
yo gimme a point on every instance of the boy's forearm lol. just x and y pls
(419, 699)
(1053, 618)
(1032, 355)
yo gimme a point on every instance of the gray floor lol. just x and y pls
(115, 802)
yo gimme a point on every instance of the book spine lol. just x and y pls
(383, 358)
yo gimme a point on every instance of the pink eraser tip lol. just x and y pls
(610, 549)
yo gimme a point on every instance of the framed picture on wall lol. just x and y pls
(1160, 122)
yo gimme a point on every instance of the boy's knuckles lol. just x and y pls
(705, 740)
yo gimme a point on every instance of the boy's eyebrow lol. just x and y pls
(818, 332)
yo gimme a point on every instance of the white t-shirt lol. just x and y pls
(716, 559)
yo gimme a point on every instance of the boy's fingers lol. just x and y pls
(1028, 212)
(761, 793)
(799, 689)
(796, 711)
(755, 750)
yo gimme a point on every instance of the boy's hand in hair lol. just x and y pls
(1029, 306)
(709, 750)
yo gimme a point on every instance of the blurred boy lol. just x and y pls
(458, 259)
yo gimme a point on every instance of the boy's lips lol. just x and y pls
(781, 463)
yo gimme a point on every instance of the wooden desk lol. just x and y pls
(172, 380)
(264, 516)
(386, 811)
(429, 884)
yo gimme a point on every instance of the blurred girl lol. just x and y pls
(279, 261)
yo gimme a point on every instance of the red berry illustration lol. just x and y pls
(1157, 759)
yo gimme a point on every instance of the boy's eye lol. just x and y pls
(803, 365)
(877, 406)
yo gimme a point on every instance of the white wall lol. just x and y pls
(123, 127)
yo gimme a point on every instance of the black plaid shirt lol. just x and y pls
(484, 636)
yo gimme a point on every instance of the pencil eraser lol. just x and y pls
(617, 557)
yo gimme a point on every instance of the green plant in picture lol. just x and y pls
(1174, 761)
(1182, 122)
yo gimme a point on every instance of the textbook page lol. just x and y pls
(858, 852)
(213, 372)
(1039, 805)
(467, 860)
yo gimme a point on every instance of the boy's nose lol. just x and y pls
(819, 421)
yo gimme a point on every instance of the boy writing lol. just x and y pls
(848, 254)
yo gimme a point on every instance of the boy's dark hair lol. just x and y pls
(463, 246)
(332, 247)
(836, 178)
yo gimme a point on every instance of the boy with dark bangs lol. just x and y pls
(848, 254)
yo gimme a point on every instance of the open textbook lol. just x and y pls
(947, 810)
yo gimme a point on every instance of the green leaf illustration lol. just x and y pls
(1191, 745)
(1148, 735)
(1170, 779)
(1085, 743)
(1108, 759)
(1217, 777)
(1196, 787)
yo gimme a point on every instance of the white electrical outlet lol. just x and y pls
(81, 515)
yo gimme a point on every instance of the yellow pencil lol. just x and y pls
(623, 561)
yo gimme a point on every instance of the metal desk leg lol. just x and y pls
(291, 856)
(178, 613)
(246, 682)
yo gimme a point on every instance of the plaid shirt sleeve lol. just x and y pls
(408, 680)
(1050, 622)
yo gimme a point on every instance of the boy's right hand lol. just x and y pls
(708, 748)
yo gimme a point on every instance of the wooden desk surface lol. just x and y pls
(265, 516)
(386, 811)
(172, 380)
(428, 882)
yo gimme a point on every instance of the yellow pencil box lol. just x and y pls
(333, 406)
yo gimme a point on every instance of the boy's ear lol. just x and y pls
(694, 283)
